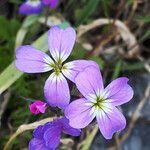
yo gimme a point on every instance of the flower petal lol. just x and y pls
(31, 7)
(110, 120)
(52, 137)
(39, 131)
(71, 69)
(31, 60)
(89, 81)
(37, 144)
(119, 92)
(61, 42)
(52, 3)
(68, 129)
(56, 91)
(41, 134)
(79, 113)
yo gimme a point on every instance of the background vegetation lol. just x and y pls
(119, 51)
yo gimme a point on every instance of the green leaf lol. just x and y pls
(8, 28)
(106, 5)
(30, 20)
(143, 19)
(129, 2)
(8, 31)
(78, 52)
(16, 1)
(117, 70)
(87, 11)
(4, 28)
(20, 37)
(145, 35)
(132, 66)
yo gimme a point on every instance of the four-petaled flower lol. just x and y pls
(31, 7)
(99, 102)
(47, 137)
(37, 107)
(31, 60)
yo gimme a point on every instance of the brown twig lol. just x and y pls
(86, 144)
(26, 127)
(117, 141)
(134, 7)
(124, 31)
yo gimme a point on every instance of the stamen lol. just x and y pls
(57, 67)
(99, 102)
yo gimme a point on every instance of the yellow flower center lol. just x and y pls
(99, 102)
(57, 67)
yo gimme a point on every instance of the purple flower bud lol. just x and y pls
(31, 7)
(37, 107)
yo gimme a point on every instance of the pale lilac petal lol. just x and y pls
(30, 7)
(119, 92)
(71, 69)
(37, 144)
(89, 81)
(56, 91)
(79, 113)
(61, 42)
(52, 137)
(68, 129)
(31, 60)
(110, 120)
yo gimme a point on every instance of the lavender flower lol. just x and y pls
(31, 60)
(51, 3)
(47, 137)
(99, 102)
(37, 107)
(31, 7)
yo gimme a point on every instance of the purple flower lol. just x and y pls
(47, 137)
(99, 102)
(37, 107)
(31, 7)
(31, 60)
(51, 3)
